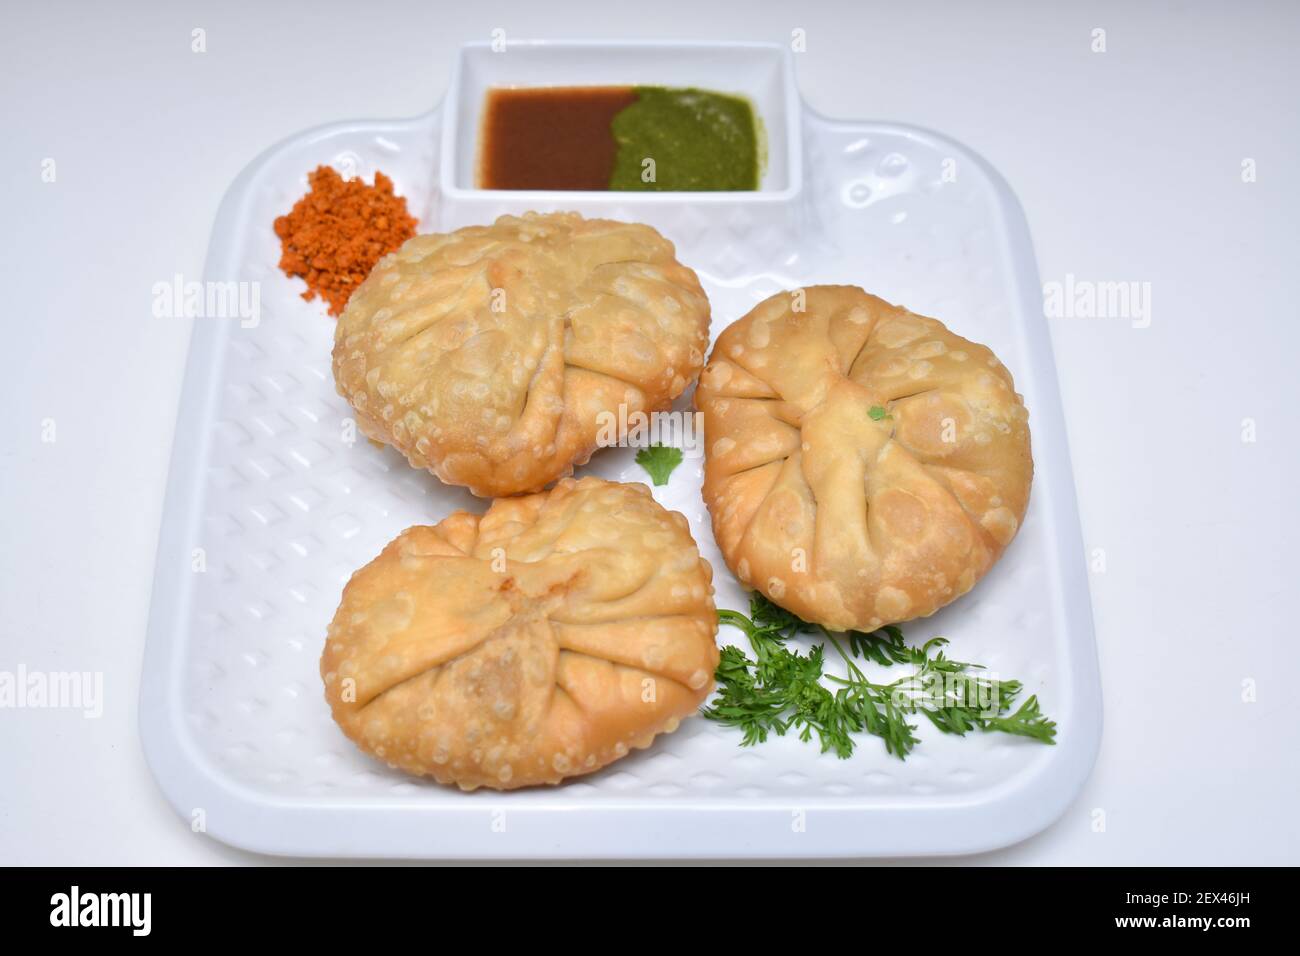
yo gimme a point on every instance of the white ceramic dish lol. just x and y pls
(760, 72)
(278, 508)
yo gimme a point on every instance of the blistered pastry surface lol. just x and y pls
(488, 355)
(543, 640)
(864, 464)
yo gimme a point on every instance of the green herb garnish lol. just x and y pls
(878, 413)
(659, 461)
(779, 688)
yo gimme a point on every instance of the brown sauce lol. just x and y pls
(550, 137)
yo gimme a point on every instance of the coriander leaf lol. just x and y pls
(877, 413)
(884, 646)
(1028, 721)
(769, 615)
(659, 461)
(780, 689)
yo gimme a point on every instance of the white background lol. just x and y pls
(1128, 163)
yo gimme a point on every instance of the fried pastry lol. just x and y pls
(540, 641)
(489, 354)
(863, 465)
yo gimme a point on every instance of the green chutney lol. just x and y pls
(698, 141)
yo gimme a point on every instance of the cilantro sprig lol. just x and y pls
(780, 689)
(659, 461)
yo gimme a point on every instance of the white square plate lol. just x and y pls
(278, 508)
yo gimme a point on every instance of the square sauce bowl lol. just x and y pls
(759, 72)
